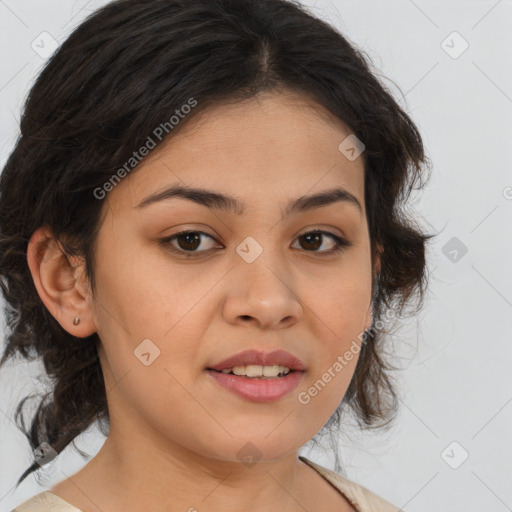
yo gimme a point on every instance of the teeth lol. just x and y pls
(253, 370)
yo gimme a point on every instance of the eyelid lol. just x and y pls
(324, 229)
(340, 241)
(166, 242)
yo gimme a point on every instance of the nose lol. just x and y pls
(262, 294)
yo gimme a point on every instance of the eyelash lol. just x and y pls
(341, 243)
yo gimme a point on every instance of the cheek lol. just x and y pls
(339, 311)
(144, 295)
(150, 321)
(340, 304)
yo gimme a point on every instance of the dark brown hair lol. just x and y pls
(123, 72)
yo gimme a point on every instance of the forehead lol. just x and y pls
(279, 144)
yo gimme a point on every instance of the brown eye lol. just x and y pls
(191, 243)
(314, 240)
(187, 242)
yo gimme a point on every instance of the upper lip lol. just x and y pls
(255, 357)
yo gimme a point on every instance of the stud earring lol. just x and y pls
(76, 321)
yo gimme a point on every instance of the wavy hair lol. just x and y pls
(123, 71)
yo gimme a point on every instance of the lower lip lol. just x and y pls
(258, 390)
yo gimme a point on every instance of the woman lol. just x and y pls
(202, 237)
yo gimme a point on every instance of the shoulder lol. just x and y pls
(362, 498)
(45, 502)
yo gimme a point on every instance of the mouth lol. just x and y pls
(257, 376)
(257, 389)
(259, 364)
(257, 371)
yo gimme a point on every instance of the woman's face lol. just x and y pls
(167, 311)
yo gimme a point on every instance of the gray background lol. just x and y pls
(456, 390)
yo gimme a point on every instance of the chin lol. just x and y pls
(257, 448)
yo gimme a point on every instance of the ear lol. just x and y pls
(60, 282)
(375, 275)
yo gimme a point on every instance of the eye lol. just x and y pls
(315, 238)
(189, 243)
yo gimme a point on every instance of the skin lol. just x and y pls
(174, 432)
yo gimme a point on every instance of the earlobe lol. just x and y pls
(55, 279)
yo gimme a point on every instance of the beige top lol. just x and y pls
(362, 499)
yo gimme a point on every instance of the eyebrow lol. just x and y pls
(219, 201)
